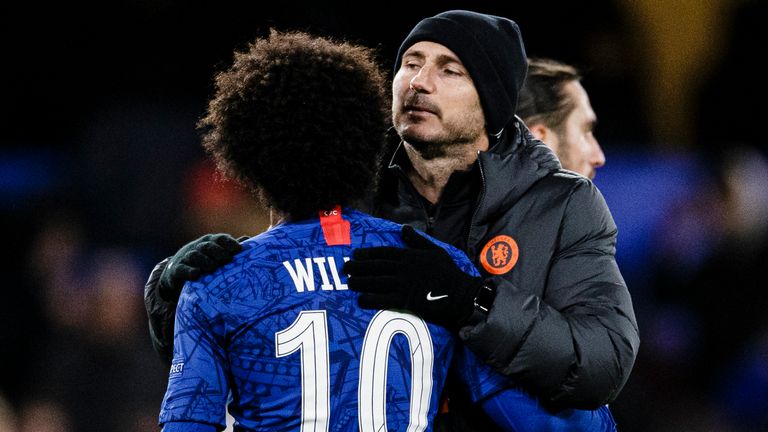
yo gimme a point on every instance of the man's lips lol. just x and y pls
(417, 104)
(417, 110)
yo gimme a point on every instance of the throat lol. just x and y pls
(430, 177)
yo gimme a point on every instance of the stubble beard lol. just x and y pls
(430, 146)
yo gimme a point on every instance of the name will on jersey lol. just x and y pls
(302, 272)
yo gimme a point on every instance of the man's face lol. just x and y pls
(573, 142)
(434, 101)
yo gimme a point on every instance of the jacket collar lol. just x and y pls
(511, 166)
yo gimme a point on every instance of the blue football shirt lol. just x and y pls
(278, 328)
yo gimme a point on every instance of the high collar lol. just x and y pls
(460, 188)
(511, 166)
(514, 162)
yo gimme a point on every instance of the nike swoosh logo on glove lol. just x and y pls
(430, 297)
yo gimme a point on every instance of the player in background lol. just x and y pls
(275, 335)
(556, 109)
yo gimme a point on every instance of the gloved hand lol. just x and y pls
(197, 257)
(422, 278)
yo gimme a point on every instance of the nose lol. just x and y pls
(421, 82)
(597, 158)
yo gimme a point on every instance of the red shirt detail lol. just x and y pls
(335, 229)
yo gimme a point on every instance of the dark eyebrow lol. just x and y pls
(441, 58)
(417, 54)
(444, 59)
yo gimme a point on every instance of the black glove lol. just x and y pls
(203, 255)
(161, 313)
(422, 278)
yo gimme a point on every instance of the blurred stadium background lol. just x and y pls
(102, 175)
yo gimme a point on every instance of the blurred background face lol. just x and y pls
(574, 142)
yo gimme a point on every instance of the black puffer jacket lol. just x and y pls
(562, 323)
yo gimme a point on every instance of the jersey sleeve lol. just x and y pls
(512, 409)
(189, 427)
(197, 382)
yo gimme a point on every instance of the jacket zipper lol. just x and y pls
(430, 220)
(471, 250)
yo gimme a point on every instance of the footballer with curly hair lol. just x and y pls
(300, 120)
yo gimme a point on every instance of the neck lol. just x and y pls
(430, 176)
(276, 217)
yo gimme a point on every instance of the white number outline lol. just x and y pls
(307, 332)
(310, 331)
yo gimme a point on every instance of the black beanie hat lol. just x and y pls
(491, 49)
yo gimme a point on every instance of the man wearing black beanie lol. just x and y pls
(491, 49)
(551, 309)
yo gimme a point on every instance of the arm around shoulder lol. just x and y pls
(161, 314)
(586, 285)
(162, 290)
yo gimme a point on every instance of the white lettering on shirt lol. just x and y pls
(303, 275)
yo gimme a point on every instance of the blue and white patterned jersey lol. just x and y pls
(278, 328)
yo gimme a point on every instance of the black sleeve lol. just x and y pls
(161, 313)
(575, 345)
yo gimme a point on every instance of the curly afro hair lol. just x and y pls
(300, 120)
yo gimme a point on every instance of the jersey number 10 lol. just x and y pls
(309, 335)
